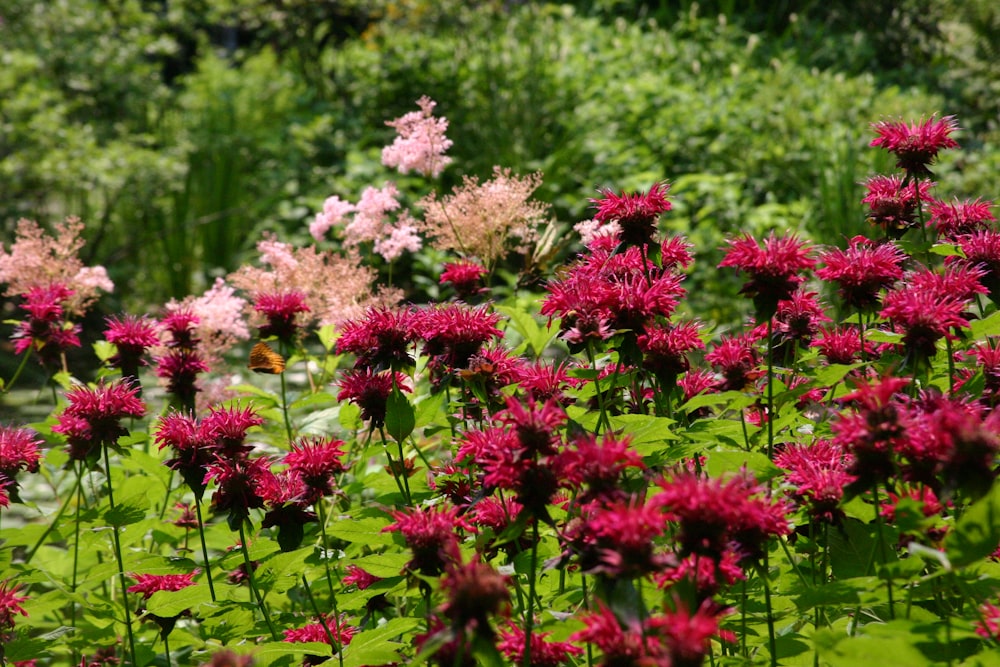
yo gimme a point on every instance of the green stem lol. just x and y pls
(399, 484)
(204, 547)
(322, 619)
(76, 545)
(166, 649)
(253, 582)
(772, 642)
(321, 515)
(597, 387)
(284, 401)
(770, 388)
(529, 621)
(118, 556)
(881, 547)
(24, 361)
(55, 521)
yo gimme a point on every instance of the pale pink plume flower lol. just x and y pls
(334, 212)
(420, 143)
(370, 214)
(36, 259)
(402, 237)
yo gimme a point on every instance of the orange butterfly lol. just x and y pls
(265, 360)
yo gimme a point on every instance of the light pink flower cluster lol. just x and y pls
(371, 222)
(486, 219)
(36, 259)
(336, 288)
(221, 321)
(334, 212)
(420, 143)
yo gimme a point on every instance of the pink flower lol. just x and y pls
(961, 217)
(874, 430)
(220, 320)
(281, 310)
(665, 350)
(239, 483)
(45, 331)
(915, 145)
(465, 276)
(355, 576)
(486, 220)
(193, 449)
(369, 222)
(334, 212)
(862, 270)
(380, 339)
(453, 332)
(420, 143)
(93, 417)
(10, 605)
(893, 206)
(474, 591)
(322, 632)
(598, 465)
(636, 213)
(989, 626)
(430, 534)
(370, 392)
(737, 360)
(148, 584)
(227, 429)
(925, 317)
(37, 260)
(399, 237)
(18, 451)
(315, 461)
(544, 653)
(817, 475)
(775, 269)
(131, 336)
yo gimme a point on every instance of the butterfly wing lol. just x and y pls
(263, 359)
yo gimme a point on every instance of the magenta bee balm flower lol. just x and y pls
(916, 145)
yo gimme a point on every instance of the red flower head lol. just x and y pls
(453, 333)
(982, 250)
(10, 605)
(18, 451)
(620, 646)
(147, 584)
(322, 632)
(281, 310)
(93, 417)
(817, 475)
(192, 447)
(543, 381)
(774, 269)
(239, 485)
(989, 626)
(430, 535)
(598, 465)
(737, 360)
(355, 576)
(180, 368)
(315, 461)
(132, 336)
(871, 433)
(636, 213)
(45, 331)
(544, 653)
(862, 270)
(915, 145)
(925, 316)
(381, 339)
(893, 206)
(841, 345)
(227, 429)
(180, 324)
(227, 658)
(960, 217)
(665, 350)
(465, 276)
(798, 319)
(715, 515)
(286, 497)
(370, 391)
(617, 539)
(688, 636)
(474, 592)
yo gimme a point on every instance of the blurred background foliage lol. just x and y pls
(181, 130)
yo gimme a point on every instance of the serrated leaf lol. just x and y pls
(988, 326)
(363, 531)
(831, 594)
(728, 462)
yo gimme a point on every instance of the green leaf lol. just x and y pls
(130, 510)
(327, 335)
(360, 531)
(988, 326)
(375, 647)
(399, 416)
(104, 350)
(428, 409)
(977, 533)
(720, 462)
(174, 603)
(832, 594)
